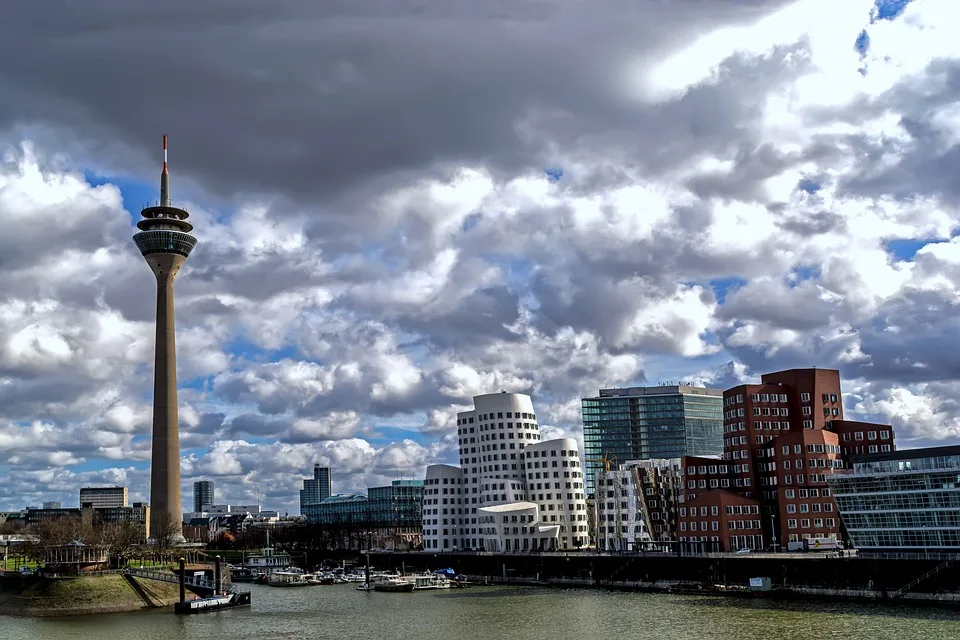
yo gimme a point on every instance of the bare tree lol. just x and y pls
(163, 529)
(56, 532)
(122, 540)
(12, 526)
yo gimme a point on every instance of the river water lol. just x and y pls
(341, 612)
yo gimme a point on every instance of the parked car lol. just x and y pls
(740, 552)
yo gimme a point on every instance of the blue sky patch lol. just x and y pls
(862, 43)
(553, 174)
(809, 185)
(805, 272)
(385, 435)
(888, 9)
(905, 248)
(722, 287)
(135, 193)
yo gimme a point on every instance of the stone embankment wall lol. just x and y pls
(41, 597)
(812, 575)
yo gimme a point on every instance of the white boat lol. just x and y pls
(355, 577)
(395, 585)
(432, 581)
(268, 560)
(289, 579)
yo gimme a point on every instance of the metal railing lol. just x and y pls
(929, 574)
(167, 576)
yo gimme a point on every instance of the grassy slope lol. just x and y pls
(101, 594)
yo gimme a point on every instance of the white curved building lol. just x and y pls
(554, 475)
(442, 507)
(500, 454)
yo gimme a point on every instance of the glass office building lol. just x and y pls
(398, 505)
(903, 500)
(644, 423)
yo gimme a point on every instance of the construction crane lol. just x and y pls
(607, 459)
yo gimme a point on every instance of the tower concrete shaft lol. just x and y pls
(165, 491)
(165, 243)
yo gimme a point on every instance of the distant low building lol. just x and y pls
(386, 517)
(138, 514)
(103, 497)
(245, 508)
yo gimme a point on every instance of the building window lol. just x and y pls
(804, 397)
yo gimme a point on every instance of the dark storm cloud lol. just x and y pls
(479, 316)
(310, 98)
(911, 339)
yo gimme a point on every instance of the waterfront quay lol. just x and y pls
(907, 577)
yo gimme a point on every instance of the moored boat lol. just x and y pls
(432, 581)
(213, 603)
(395, 585)
(288, 579)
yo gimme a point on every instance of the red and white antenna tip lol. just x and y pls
(164, 152)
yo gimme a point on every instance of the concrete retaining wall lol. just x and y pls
(801, 576)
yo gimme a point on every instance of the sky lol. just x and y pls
(404, 203)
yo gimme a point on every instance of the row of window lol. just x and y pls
(484, 417)
(757, 397)
(818, 523)
(808, 507)
(715, 510)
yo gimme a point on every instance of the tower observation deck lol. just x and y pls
(165, 242)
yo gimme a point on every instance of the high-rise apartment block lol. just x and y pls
(315, 489)
(782, 439)
(512, 491)
(103, 497)
(203, 494)
(643, 423)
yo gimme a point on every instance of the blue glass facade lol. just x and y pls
(644, 423)
(397, 505)
(904, 500)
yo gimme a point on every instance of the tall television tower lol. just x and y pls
(165, 242)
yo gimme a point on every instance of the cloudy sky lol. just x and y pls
(403, 203)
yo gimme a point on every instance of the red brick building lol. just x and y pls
(781, 438)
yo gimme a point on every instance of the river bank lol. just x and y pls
(33, 596)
